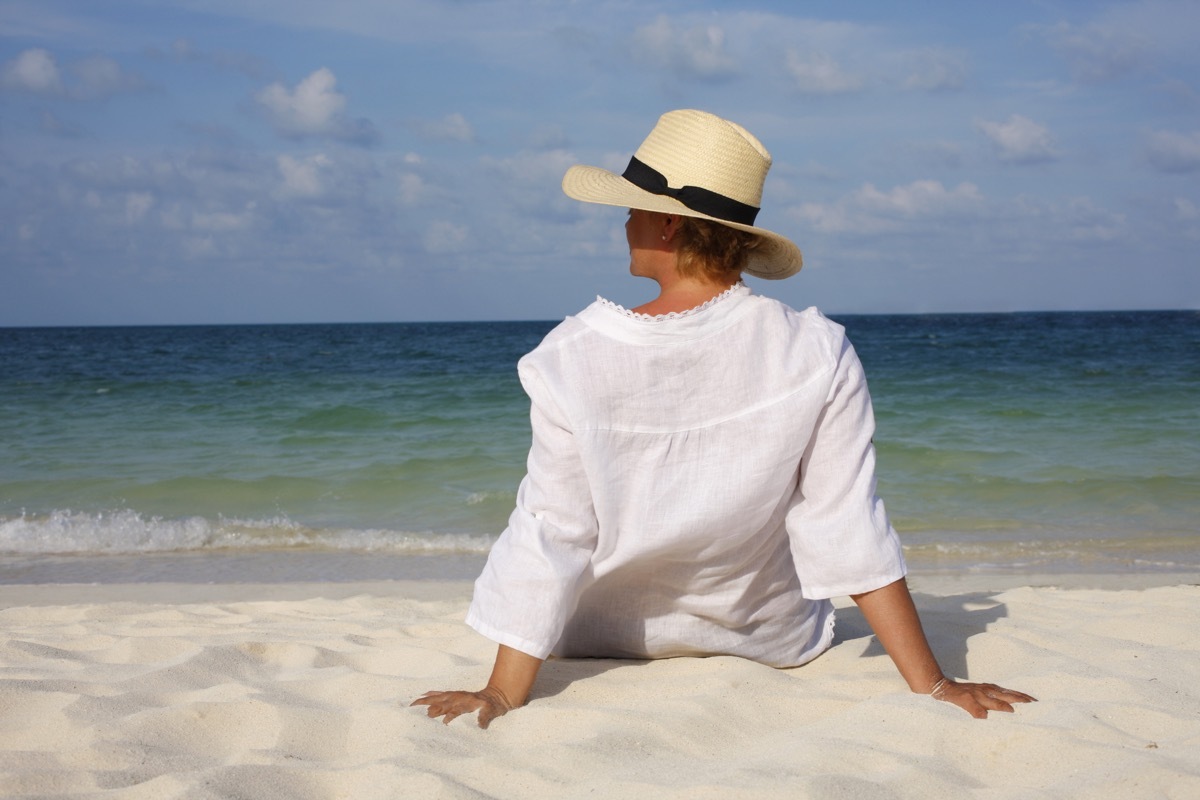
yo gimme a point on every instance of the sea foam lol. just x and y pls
(126, 531)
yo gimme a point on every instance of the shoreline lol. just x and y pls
(340, 570)
(239, 577)
(448, 589)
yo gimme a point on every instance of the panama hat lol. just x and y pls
(695, 164)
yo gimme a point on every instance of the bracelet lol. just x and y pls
(936, 691)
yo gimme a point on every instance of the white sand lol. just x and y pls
(162, 691)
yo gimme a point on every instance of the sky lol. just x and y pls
(263, 161)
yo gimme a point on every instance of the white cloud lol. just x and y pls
(301, 177)
(871, 210)
(134, 213)
(1127, 37)
(1174, 152)
(310, 108)
(919, 198)
(533, 168)
(818, 73)
(37, 71)
(452, 127)
(695, 52)
(1019, 140)
(33, 70)
(313, 108)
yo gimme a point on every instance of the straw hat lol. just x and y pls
(695, 164)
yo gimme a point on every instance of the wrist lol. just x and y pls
(938, 689)
(497, 697)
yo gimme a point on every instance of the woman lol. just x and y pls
(701, 477)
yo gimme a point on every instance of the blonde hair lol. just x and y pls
(712, 250)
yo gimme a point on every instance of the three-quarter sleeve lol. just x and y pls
(527, 590)
(842, 542)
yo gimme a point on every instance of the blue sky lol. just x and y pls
(212, 161)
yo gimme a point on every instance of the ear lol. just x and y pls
(669, 226)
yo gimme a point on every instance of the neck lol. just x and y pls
(682, 294)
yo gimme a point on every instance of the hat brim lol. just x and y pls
(775, 258)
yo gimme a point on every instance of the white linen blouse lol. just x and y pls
(698, 484)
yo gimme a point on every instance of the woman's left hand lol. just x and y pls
(977, 699)
(512, 678)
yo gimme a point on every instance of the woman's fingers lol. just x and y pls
(1017, 697)
(1005, 696)
(452, 705)
(487, 714)
(428, 698)
(993, 702)
(979, 698)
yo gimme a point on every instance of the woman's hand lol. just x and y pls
(490, 704)
(977, 699)
(512, 678)
(892, 615)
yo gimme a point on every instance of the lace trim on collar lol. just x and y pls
(622, 310)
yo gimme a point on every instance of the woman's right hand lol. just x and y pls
(977, 699)
(490, 704)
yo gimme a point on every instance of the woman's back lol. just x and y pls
(690, 433)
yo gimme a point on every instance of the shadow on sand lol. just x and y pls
(949, 623)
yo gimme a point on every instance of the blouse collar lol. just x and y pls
(673, 314)
(619, 322)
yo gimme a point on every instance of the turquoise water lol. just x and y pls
(1062, 441)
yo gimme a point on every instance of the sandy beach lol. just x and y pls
(301, 690)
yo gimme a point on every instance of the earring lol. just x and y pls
(664, 237)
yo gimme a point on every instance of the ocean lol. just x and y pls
(1024, 443)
